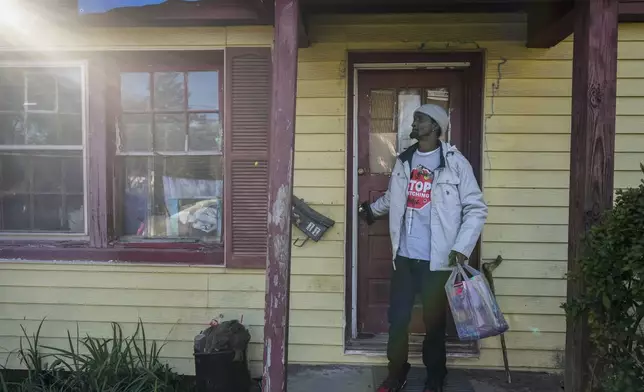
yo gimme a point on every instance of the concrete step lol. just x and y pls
(456, 380)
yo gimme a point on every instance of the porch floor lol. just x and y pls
(366, 379)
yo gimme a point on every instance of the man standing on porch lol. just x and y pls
(436, 215)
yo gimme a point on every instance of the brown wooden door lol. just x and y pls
(386, 102)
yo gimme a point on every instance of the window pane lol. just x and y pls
(75, 215)
(203, 90)
(48, 213)
(135, 195)
(135, 91)
(15, 173)
(173, 197)
(73, 175)
(41, 128)
(169, 91)
(42, 191)
(16, 212)
(170, 132)
(71, 130)
(41, 94)
(48, 176)
(12, 128)
(205, 132)
(136, 132)
(69, 91)
(12, 89)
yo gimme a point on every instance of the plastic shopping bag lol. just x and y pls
(476, 312)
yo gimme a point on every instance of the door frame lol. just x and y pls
(473, 65)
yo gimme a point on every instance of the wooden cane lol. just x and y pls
(487, 272)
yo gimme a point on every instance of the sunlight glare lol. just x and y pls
(11, 14)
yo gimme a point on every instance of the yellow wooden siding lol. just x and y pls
(526, 179)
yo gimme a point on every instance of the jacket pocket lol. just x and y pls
(445, 193)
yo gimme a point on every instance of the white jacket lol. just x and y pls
(458, 211)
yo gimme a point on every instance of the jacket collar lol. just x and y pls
(408, 154)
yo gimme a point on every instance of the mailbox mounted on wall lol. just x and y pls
(311, 222)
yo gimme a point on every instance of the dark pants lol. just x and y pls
(410, 278)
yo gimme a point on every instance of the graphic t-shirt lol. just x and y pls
(415, 236)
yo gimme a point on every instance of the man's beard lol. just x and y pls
(414, 134)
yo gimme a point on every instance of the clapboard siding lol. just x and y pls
(525, 182)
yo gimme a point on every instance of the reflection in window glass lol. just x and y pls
(169, 91)
(41, 150)
(204, 90)
(135, 91)
(170, 132)
(205, 132)
(70, 99)
(136, 132)
(171, 159)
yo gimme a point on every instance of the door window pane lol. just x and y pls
(382, 135)
(408, 102)
(439, 96)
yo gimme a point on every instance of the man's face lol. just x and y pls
(423, 126)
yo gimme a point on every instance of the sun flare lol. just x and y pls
(11, 13)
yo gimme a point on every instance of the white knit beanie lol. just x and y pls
(437, 113)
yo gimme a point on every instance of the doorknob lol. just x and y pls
(361, 171)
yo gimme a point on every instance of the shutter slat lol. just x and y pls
(247, 129)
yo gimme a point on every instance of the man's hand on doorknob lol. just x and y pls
(364, 212)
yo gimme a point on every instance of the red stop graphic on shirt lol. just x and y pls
(419, 192)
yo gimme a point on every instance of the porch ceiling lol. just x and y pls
(411, 6)
(549, 21)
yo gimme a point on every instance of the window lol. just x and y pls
(170, 156)
(42, 150)
(156, 157)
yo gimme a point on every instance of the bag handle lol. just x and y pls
(461, 270)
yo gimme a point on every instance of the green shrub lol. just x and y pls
(612, 267)
(114, 364)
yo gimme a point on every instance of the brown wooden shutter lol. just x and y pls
(247, 122)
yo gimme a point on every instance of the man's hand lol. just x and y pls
(455, 257)
(364, 212)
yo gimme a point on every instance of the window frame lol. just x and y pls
(101, 87)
